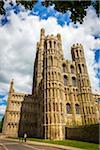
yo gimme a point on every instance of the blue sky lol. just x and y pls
(19, 32)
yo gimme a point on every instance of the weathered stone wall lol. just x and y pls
(88, 133)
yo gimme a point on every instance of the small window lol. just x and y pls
(51, 61)
(64, 67)
(74, 81)
(79, 67)
(72, 69)
(65, 80)
(68, 108)
(54, 44)
(50, 44)
(77, 53)
(77, 107)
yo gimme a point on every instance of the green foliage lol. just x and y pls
(77, 8)
(73, 143)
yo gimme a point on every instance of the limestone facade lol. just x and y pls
(61, 94)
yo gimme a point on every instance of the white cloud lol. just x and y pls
(2, 109)
(18, 46)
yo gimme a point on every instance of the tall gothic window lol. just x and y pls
(50, 44)
(65, 80)
(64, 67)
(68, 108)
(77, 107)
(77, 53)
(74, 81)
(79, 67)
(54, 44)
(72, 69)
(51, 61)
(83, 68)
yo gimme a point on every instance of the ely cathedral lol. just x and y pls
(61, 94)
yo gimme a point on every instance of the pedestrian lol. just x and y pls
(25, 136)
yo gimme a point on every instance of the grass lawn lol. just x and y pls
(73, 143)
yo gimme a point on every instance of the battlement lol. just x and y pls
(77, 45)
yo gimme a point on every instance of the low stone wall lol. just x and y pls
(88, 133)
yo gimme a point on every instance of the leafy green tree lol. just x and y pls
(77, 8)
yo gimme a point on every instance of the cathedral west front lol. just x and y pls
(61, 94)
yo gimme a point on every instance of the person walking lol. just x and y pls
(25, 136)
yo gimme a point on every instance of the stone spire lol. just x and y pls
(11, 90)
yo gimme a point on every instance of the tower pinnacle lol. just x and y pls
(11, 90)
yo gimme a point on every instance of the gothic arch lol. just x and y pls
(77, 108)
(65, 80)
(64, 67)
(68, 108)
(74, 82)
(79, 68)
(72, 69)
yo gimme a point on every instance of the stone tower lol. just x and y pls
(48, 87)
(54, 100)
(54, 97)
(85, 95)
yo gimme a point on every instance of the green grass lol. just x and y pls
(73, 143)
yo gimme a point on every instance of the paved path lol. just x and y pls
(10, 144)
(14, 145)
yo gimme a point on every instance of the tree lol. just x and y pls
(77, 8)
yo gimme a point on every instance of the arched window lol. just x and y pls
(51, 61)
(45, 45)
(52, 75)
(68, 108)
(74, 81)
(80, 52)
(72, 69)
(79, 67)
(77, 107)
(77, 53)
(50, 44)
(64, 67)
(65, 80)
(83, 68)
